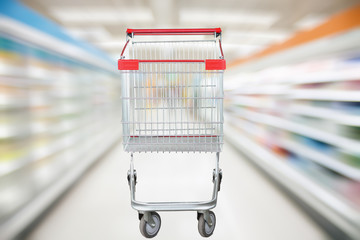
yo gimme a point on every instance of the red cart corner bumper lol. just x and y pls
(215, 64)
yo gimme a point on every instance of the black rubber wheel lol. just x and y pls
(145, 228)
(204, 229)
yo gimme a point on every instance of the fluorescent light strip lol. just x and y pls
(111, 45)
(90, 33)
(241, 50)
(310, 21)
(220, 17)
(257, 37)
(101, 14)
(227, 46)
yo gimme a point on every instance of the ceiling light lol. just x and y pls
(90, 33)
(257, 37)
(101, 14)
(222, 17)
(310, 21)
(111, 45)
(241, 50)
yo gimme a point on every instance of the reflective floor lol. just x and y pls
(249, 206)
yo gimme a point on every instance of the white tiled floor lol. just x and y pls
(249, 207)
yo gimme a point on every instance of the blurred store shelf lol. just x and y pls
(59, 111)
(297, 114)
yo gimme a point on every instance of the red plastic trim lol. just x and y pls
(128, 64)
(178, 31)
(127, 42)
(222, 54)
(133, 64)
(172, 136)
(215, 64)
(172, 61)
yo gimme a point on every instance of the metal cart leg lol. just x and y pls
(217, 172)
(131, 174)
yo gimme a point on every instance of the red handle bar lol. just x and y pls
(178, 31)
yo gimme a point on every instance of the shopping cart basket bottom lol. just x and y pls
(172, 143)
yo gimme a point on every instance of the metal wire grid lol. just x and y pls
(172, 106)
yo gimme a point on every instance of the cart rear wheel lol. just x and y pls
(204, 228)
(146, 229)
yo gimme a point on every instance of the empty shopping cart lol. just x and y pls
(172, 92)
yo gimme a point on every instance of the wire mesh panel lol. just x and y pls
(173, 105)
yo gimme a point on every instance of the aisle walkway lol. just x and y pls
(249, 207)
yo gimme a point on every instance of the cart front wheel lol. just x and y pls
(204, 228)
(146, 229)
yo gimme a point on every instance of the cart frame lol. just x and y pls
(146, 209)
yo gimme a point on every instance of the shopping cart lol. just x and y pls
(172, 92)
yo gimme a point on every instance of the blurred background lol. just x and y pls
(291, 160)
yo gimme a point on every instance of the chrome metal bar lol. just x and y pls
(174, 129)
(175, 206)
(182, 41)
(173, 108)
(178, 85)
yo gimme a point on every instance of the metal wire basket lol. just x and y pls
(173, 101)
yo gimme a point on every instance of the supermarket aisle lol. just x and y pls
(249, 207)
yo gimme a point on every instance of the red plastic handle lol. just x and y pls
(177, 31)
(133, 64)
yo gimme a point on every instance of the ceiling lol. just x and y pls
(248, 25)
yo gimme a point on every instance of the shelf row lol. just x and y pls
(344, 113)
(300, 182)
(47, 180)
(53, 111)
(352, 145)
(49, 148)
(296, 114)
(309, 94)
(325, 159)
(59, 112)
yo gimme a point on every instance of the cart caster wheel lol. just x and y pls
(146, 229)
(204, 228)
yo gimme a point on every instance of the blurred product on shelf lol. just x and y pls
(306, 116)
(297, 107)
(58, 113)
